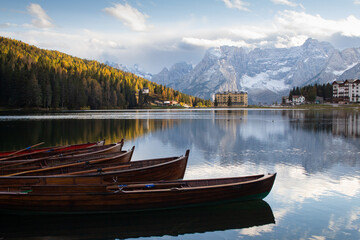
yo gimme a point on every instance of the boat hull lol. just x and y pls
(91, 162)
(141, 200)
(9, 166)
(58, 149)
(145, 170)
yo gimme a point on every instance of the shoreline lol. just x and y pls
(355, 107)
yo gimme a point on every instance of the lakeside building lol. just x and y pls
(236, 98)
(346, 91)
(145, 90)
(298, 99)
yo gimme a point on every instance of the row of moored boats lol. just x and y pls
(99, 177)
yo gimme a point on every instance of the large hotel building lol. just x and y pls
(347, 91)
(237, 99)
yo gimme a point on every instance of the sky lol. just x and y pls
(159, 33)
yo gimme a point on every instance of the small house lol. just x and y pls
(298, 99)
(145, 91)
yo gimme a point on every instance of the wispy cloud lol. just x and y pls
(238, 4)
(317, 26)
(357, 2)
(284, 2)
(288, 28)
(41, 19)
(6, 25)
(131, 17)
(207, 43)
(185, 40)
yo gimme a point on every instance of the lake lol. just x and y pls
(316, 155)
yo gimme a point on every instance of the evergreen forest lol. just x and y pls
(31, 77)
(310, 92)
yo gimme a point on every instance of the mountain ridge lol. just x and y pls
(266, 74)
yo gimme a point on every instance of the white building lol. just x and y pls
(145, 90)
(347, 91)
(298, 99)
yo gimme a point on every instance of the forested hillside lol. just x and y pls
(33, 77)
(310, 92)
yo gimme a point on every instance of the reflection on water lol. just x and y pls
(341, 123)
(20, 134)
(173, 222)
(316, 154)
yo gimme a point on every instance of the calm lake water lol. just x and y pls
(316, 155)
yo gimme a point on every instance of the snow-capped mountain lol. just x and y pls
(266, 74)
(170, 77)
(352, 73)
(134, 69)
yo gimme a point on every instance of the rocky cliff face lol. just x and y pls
(266, 74)
(171, 77)
(134, 69)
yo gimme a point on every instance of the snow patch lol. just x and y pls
(215, 52)
(338, 73)
(281, 70)
(282, 63)
(276, 85)
(263, 81)
(254, 82)
(284, 69)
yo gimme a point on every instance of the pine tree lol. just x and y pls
(229, 101)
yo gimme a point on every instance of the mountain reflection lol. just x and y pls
(303, 138)
(226, 136)
(220, 217)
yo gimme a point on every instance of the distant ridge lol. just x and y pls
(266, 74)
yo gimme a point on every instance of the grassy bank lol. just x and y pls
(355, 107)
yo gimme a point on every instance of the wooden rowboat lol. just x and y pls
(145, 170)
(54, 153)
(28, 151)
(140, 196)
(65, 157)
(68, 165)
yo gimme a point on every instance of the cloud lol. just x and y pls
(238, 4)
(288, 29)
(41, 20)
(357, 2)
(316, 26)
(7, 25)
(131, 17)
(314, 237)
(208, 43)
(249, 32)
(186, 40)
(284, 2)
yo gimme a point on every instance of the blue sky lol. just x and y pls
(159, 33)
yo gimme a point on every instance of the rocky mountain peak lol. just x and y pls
(266, 74)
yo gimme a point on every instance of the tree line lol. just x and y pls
(37, 78)
(310, 92)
